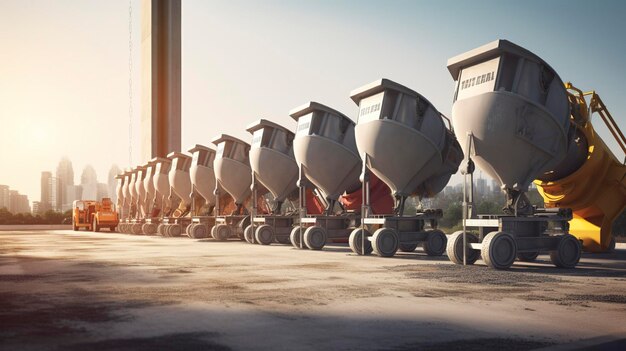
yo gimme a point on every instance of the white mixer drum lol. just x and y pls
(232, 167)
(201, 172)
(161, 180)
(405, 138)
(272, 159)
(516, 108)
(179, 176)
(325, 146)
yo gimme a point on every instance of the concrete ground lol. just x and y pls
(86, 291)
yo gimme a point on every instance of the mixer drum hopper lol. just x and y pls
(179, 176)
(148, 181)
(139, 189)
(201, 172)
(516, 108)
(272, 159)
(404, 136)
(324, 145)
(161, 180)
(132, 189)
(232, 167)
(126, 188)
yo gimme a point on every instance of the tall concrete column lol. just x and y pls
(161, 77)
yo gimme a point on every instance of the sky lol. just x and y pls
(64, 66)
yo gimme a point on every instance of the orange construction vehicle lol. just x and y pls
(94, 215)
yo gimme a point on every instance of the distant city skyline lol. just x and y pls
(13, 201)
(58, 191)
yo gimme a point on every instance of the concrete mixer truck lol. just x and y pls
(402, 138)
(151, 205)
(163, 202)
(130, 207)
(140, 201)
(176, 222)
(518, 122)
(202, 183)
(274, 167)
(233, 176)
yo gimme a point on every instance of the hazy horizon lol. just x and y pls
(64, 66)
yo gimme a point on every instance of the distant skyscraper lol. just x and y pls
(89, 183)
(13, 196)
(36, 210)
(65, 178)
(112, 183)
(18, 203)
(4, 196)
(89, 176)
(48, 199)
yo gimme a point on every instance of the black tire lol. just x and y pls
(149, 228)
(435, 244)
(264, 234)
(188, 229)
(199, 231)
(222, 232)
(385, 242)
(454, 248)
(175, 230)
(527, 256)
(112, 229)
(499, 250)
(315, 237)
(294, 237)
(136, 229)
(248, 234)
(356, 242)
(567, 253)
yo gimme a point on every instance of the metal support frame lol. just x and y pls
(253, 213)
(302, 200)
(365, 199)
(468, 199)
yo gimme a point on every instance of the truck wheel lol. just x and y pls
(454, 248)
(385, 242)
(264, 234)
(567, 253)
(499, 250)
(356, 242)
(248, 234)
(222, 232)
(435, 244)
(94, 225)
(112, 229)
(294, 237)
(315, 237)
(174, 230)
(199, 231)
